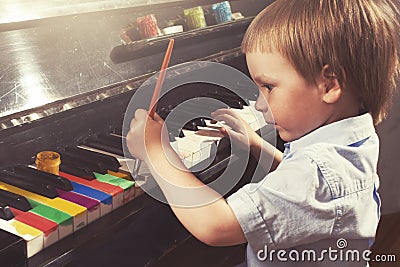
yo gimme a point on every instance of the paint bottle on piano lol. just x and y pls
(222, 12)
(195, 18)
(48, 161)
(147, 26)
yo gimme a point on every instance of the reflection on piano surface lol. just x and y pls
(61, 91)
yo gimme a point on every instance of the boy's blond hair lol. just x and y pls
(358, 39)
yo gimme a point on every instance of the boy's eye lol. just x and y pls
(268, 86)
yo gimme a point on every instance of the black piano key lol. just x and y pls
(110, 162)
(171, 137)
(202, 110)
(28, 183)
(194, 120)
(232, 101)
(203, 122)
(51, 179)
(175, 129)
(104, 147)
(184, 113)
(5, 212)
(111, 140)
(12, 250)
(191, 125)
(221, 94)
(118, 131)
(163, 112)
(15, 200)
(199, 122)
(76, 171)
(82, 163)
(174, 125)
(174, 133)
(239, 104)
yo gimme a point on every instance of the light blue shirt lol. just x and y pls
(322, 193)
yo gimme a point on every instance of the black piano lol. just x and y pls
(65, 83)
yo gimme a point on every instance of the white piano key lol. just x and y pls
(195, 148)
(34, 238)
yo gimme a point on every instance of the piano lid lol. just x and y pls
(22, 10)
(56, 54)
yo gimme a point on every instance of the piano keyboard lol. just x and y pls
(43, 208)
(198, 146)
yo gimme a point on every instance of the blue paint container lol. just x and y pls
(222, 12)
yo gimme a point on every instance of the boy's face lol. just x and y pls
(294, 105)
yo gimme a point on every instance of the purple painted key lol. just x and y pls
(92, 205)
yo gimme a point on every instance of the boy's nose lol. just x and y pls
(261, 103)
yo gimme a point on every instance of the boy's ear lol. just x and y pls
(330, 86)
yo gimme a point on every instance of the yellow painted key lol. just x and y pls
(121, 175)
(78, 212)
(32, 236)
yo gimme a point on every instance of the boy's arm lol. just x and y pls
(264, 152)
(203, 211)
(267, 155)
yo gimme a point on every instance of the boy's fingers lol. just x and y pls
(223, 131)
(233, 122)
(133, 121)
(221, 113)
(232, 134)
(224, 111)
(141, 114)
(218, 112)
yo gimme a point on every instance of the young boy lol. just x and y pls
(325, 71)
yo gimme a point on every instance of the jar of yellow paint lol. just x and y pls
(48, 161)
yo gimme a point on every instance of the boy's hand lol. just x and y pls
(146, 135)
(240, 131)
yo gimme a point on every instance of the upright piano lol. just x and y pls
(65, 84)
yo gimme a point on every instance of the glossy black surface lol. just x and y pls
(48, 60)
(5, 212)
(44, 64)
(108, 162)
(41, 176)
(12, 250)
(15, 200)
(28, 183)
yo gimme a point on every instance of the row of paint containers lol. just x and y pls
(194, 18)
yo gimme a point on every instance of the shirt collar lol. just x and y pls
(344, 132)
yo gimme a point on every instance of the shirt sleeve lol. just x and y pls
(290, 206)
